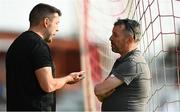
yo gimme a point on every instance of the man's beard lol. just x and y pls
(48, 40)
(113, 48)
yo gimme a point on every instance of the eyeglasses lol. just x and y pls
(129, 27)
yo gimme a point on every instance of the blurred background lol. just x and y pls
(83, 44)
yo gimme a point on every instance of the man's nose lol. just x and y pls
(110, 38)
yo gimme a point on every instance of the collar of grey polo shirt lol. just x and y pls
(128, 54)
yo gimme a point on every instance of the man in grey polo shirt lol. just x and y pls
(127, 88)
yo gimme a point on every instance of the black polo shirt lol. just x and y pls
(134, 93)
(27, 54)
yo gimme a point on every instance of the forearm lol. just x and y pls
(102, 96)
(57, 83)
(60, 82)
(99, 90)
(50, 84)
(107, 87)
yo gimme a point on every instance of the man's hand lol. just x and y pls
(75, 77)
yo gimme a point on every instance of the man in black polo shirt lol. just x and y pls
(127, 88)
(30, 75)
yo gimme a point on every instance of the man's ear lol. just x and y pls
(46, 22)
(130, 39)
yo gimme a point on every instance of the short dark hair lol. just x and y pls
(131, 26)
(41, 11)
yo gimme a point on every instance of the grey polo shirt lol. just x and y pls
(133, 94)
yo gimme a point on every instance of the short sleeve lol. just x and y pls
(40, 56)
(125, 71)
